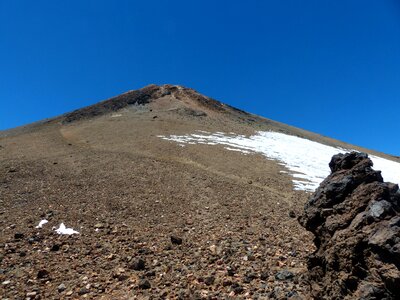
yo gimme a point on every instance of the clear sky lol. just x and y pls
(332, 67)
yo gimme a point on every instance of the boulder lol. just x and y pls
(355, 218)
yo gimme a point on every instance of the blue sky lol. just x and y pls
(332, 67)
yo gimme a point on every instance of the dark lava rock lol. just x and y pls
(231, 271)
(138, 265)
(249, 277)
(150, 274)
(264, 276)
(176, 240)
(237, 289)
(34, 239)
(83, 291)
(209, 280)
(284, 275)
(55, 248)
(355, 218)
(18, 236)
(144, 284)
(292, 214)
(42, 274)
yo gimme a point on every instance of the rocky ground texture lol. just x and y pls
(355, 218)
(158, 220)
(155, 220)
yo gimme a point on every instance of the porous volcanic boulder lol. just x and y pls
(355, 218)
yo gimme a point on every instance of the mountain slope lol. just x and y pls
(106, 171)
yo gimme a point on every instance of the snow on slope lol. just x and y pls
(307, 161)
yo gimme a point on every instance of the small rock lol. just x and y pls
(150, 274)
(284, 275)
(291, 294)
(83, 291)
(226, 282)
(138, 265)
(209, 280)
(61, 288)
(99, 226)
(144, 284)
(176, 240)
(33, 240)
(292, 214)
(12, 170)
(264, 276)
(7, 282)
(42, 274)
(18, 236)
(249, 277)
(231, 271)
(237, 289)
(31, 294)
(55, 248)
(213, 249)
(69, 293)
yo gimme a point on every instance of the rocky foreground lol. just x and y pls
(138, 240)
(355, 218)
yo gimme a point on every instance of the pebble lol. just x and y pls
(144, 284)
(176, 240)
(42, 274)
(264, 276)
(61, 288)
(138, 265)
(83, 291)
(284, 275)
(99, 226)
(55, 248)
(18, 236)
(209, 280)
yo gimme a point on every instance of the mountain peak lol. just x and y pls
(144, 96)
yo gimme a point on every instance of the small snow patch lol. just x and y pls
(64, 230)
(41, 223)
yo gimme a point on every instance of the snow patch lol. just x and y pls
(64, 230)
(306, 161)
(41, 223)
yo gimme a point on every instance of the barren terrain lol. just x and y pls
(155, 220)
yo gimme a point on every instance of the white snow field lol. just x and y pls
(307, 161)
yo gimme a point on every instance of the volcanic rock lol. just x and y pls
(144, 284)
(138, 265)
(355, 218)
(176, 240)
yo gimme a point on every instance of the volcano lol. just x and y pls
(160, 193)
